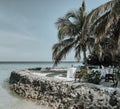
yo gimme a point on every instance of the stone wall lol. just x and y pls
(60, 94)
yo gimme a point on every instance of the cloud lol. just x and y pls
(8, 37)
(18, 46)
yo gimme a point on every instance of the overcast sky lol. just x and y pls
(27, 27)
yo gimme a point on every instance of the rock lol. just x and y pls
(90, 96)
(61, 95)
(113, 101)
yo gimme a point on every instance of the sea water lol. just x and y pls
(8, 100)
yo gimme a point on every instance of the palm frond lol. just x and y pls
(116, 7)
(59, 46)
(67, 41)
(65, 28)
(62, 53)
(94, 15)
(100, 20)
(71, 14)
(98, 12)
(90, 44)
(56, 48)
(83, 6)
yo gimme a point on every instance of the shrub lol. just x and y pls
(94, 77)
(82, 74)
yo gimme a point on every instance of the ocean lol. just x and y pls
(8, 100)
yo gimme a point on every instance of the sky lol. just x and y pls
(27, 27)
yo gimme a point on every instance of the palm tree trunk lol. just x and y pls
(90, 49)
(84, 57)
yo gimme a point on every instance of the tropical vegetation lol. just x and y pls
(69, 34)
(97, 32)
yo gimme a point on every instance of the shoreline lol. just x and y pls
(61, 94)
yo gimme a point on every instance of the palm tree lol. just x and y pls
(69, 35)
(103, 22)
(98, 27)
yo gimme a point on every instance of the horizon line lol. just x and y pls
(31, 61)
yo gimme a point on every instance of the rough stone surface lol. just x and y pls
(60, 94)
